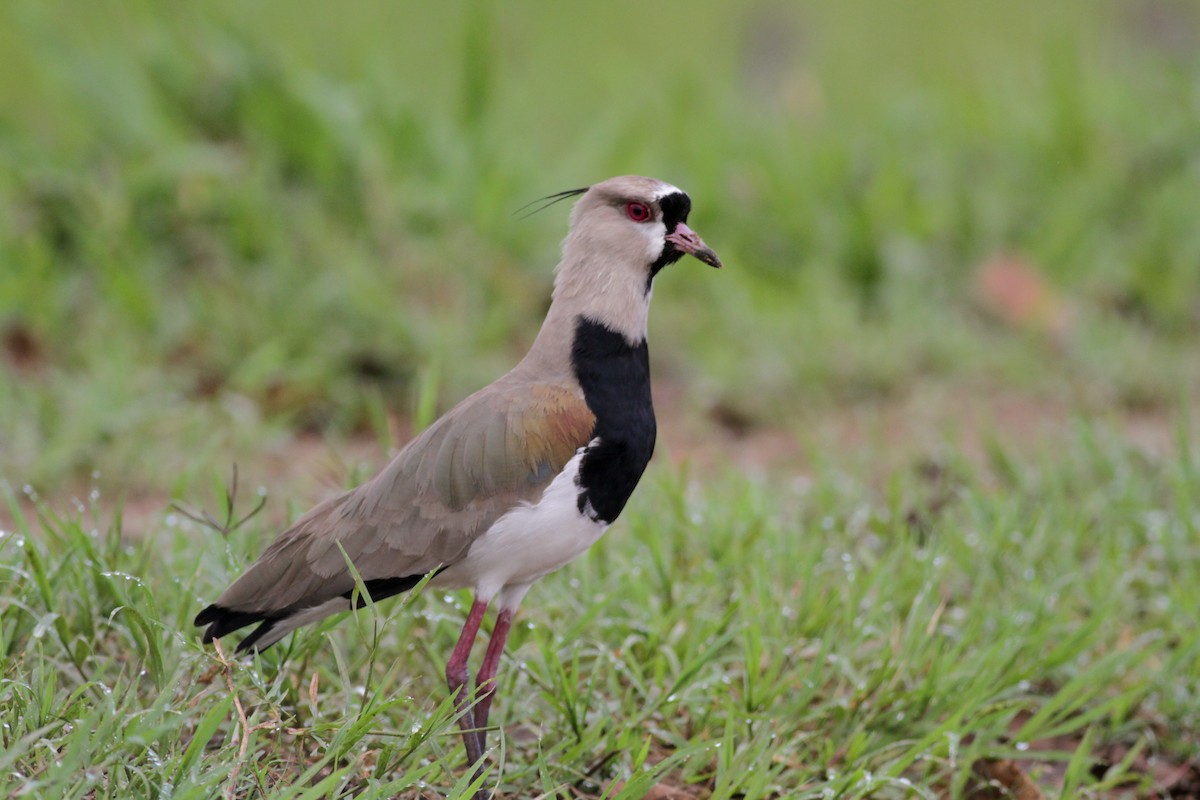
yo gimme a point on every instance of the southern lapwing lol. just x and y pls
(516, 480)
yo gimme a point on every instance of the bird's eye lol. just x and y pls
(638, 212)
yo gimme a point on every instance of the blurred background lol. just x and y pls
(282, 234)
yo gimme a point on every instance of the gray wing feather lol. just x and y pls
(499, 447)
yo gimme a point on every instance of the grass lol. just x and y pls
(731, 640)
(245, 235)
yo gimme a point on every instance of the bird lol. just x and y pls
(513, 482)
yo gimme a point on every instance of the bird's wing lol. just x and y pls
(499, 447)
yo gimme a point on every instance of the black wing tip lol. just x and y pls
(221, 621)
(383, 588)
(251, 641)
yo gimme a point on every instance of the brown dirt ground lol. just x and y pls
(870, 439)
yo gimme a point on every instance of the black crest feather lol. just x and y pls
(548, 201)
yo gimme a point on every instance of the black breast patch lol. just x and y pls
(615, 377)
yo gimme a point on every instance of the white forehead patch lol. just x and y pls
(665, 189)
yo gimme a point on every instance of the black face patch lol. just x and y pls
(615, 378)
(675, 209)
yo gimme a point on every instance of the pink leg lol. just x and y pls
(487, 672)
(458, 678)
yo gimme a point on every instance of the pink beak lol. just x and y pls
(688, 241)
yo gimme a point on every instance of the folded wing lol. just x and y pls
(498, 448)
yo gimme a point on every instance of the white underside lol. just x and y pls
(527, 543)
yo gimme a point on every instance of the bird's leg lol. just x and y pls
(458, 679)
(486, 685)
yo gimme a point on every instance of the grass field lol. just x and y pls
(925, 516)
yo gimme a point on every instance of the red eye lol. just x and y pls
(638, 212)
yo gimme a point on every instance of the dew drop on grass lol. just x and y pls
(43, 625)
(124, 576)
(1022, 746)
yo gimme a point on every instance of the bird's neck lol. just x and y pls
(590, 284)
(609, 288)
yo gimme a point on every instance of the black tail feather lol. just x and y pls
(221, 620)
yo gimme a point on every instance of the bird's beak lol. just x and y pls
(688, 241)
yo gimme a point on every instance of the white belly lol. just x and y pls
(528, 542)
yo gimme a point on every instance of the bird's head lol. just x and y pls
(623, 232)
